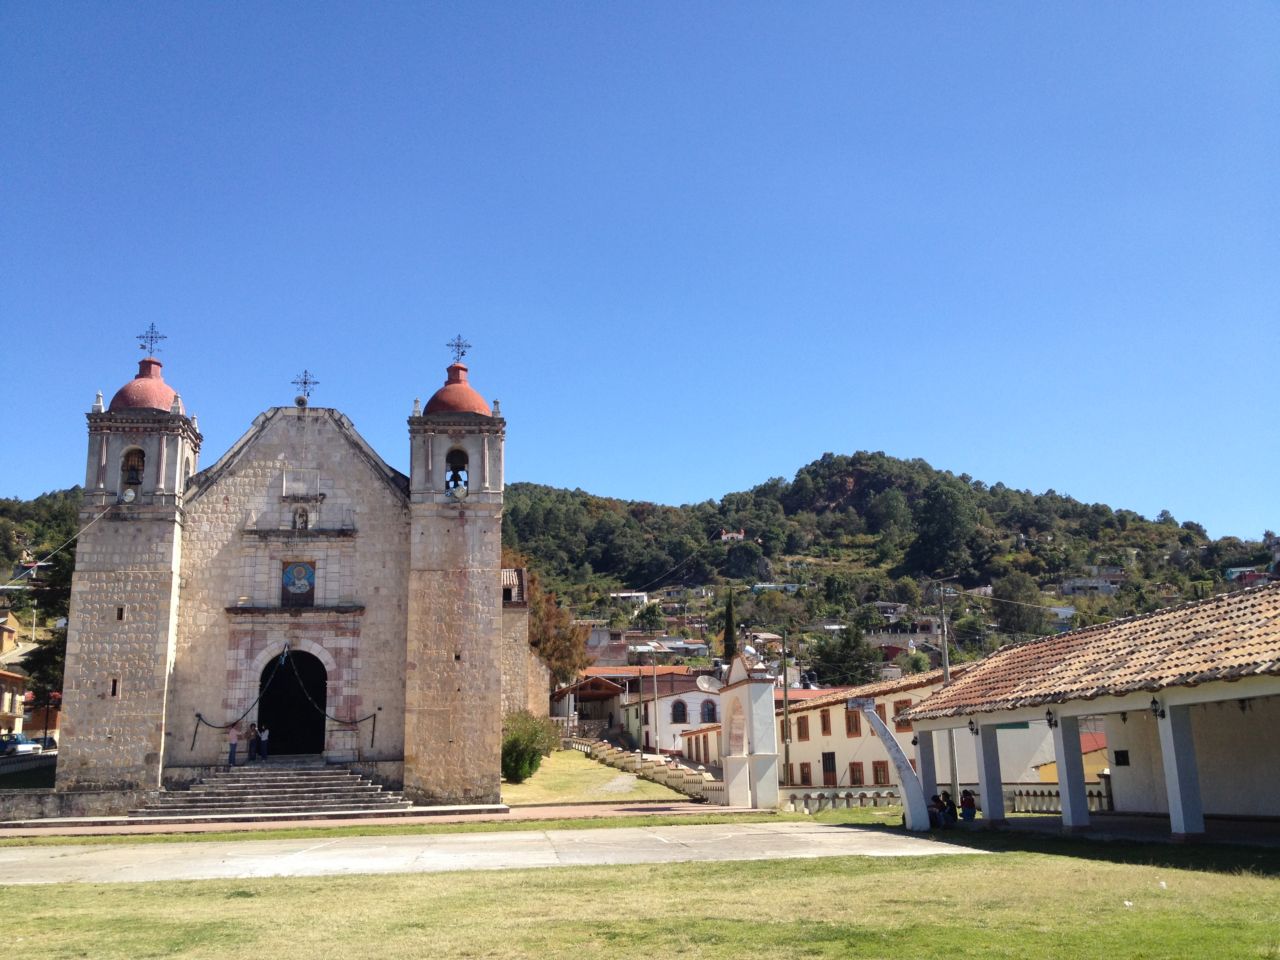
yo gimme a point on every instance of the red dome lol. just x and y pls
(146, 391)
(457, 396)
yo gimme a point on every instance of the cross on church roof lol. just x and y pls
(304, 382)
(149, 338)
(459, 348)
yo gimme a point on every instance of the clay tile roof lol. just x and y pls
(513, 580)
(1226, 637)
(663, 670)
(881, 688)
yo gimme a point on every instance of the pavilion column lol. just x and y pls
(926, 763)
(1071, 789)
(990, 784)
(1181, 774)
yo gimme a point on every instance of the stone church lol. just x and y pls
(300, 583)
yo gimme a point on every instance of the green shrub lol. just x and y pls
(526, 739)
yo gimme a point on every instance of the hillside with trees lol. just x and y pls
(852, 529)
(845, 532)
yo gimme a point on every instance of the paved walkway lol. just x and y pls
(119, 863)
(110, 826)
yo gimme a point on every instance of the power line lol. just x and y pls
(63, 545)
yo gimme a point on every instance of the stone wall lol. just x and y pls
(42, 803)
(526, 681)
(239, 533)
(453, 670)
(119, 647)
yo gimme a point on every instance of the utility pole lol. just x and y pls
(657, 738)
(786, 714)
(946, 680)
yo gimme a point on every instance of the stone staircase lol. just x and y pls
(288, 787)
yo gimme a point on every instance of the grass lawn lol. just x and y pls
(568, 776)
(1034, 898)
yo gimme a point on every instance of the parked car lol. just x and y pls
(12, 744)
(46, 743)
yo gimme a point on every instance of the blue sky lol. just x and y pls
(694, 245)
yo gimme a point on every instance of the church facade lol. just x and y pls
(300, 583)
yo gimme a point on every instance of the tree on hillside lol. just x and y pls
(1019, 605)
(890, 516)
(742, 560)
(560, 642)
(44, 663)
(649, 618)
(730, 630)
(945, 520)
(845, 658)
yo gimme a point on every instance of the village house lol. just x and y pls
(13, 686)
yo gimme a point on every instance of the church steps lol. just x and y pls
(297, 809)
(302, 789)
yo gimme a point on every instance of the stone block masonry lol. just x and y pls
(120, 640)
(384, 591)
(453, 666)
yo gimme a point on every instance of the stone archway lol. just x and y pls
(293, 698)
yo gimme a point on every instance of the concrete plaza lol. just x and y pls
(243, 859)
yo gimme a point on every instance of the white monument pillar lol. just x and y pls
(1071, 789)
(990, 784)
(926, 762)
(750, 758)
(1181, 773)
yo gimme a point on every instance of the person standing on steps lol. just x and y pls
(253, 742)
(233, 741)
(263, 733)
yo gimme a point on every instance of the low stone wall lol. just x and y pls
(697, 784)
(1046, 799)
(44, 803)
(814, 800)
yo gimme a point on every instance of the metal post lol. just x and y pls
(657, 737)
(946, 680)
(786, 714)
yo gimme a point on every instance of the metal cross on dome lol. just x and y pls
(459, 348)
(304, 382)
(149, 338)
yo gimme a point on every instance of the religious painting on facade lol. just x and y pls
(298, 584)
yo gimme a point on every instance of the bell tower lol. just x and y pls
(124, 595)
(453, 667)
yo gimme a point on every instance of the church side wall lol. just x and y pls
(239, 533)
(526, 681)
(120, 637)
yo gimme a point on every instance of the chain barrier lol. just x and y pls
(284, 656)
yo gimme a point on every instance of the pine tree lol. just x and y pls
(730, 630)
